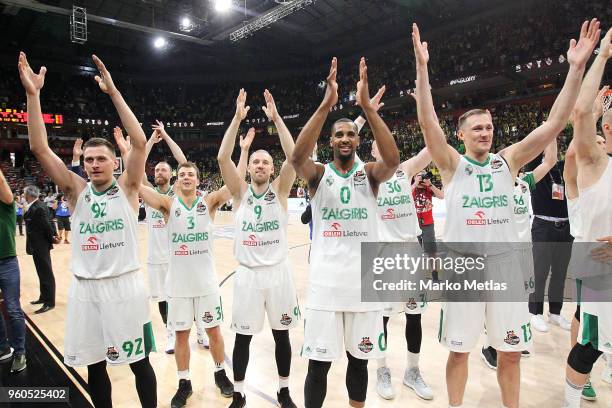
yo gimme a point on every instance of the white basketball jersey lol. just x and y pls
(596, 220)
(261, 230)
(522, 201)
(480, 205)
(104, 242)
(575, 220)
(191, 270)
(343, 215)
(397, 220)
(158, 235)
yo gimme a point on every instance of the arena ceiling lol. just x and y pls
(305, 38)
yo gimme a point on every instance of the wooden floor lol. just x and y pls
(542, 375)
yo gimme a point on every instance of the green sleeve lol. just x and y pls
(530, 180)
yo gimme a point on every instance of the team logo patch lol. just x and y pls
(366, 345)
(201, 208)
(112, 354)
(496, 163)
(207, 318)
(399, 173)
(285, 320)
(469, 169)
(87, 198)
(177, 212)
(511, 338)
(359, 176)
(411, 304)
(270, 196)
(112, 191)
(250, 201)
(329, 180)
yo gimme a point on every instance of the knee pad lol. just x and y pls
(581, 358)
(357, 378)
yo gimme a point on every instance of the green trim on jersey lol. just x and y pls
(192, 205)
(160, 192)
(260, 195)
(477, 163)
(530, 180)
(149, 338)
(102, 192)
(347, 175)
(590, 333)
(8, 220)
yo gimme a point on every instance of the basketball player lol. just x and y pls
(104, 260)
(191, 284)
(344, 215)
(475, 179)
(594, 182)
(523, 185)
(263, 282)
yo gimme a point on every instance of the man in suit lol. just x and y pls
(39, 241)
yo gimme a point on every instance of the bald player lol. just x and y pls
(104, 258)
(594, 182)
(263, 281)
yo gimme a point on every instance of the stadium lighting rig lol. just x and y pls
(278, 13)
(223, 5)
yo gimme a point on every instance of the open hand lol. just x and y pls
(160, 130)
(580, 52)
(32, 82)
(241, 109)
(77, 149)
(122, 142)
(363, 90)
(245, 141)
(270, 108)
(104, 80)
(331, 92)
(421, 53)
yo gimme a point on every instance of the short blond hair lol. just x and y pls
(463, 118)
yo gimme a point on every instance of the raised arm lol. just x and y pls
(6, 195)
(123, 143)
(301, 159)
(416, 163)
(178, 154)
(282, 184)
(443, 155)
(585, 126)
(361, 121)
(578, 54)
(229, 172)
(67, 181)
(153, 199)
(598, 108)
(153, 140)
(77, 152)
(550, 159)
(381, 170)
(570, 172)
(245, 144)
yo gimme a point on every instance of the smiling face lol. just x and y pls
(187, 179)
(163, 174)
(100, 162)
(344, 140)
(476, 132)
(261, 167)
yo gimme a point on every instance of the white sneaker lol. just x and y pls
(560, 321)
(414, 380)
(538, 323)
(383, 383)
(203, 338)
(170, 342)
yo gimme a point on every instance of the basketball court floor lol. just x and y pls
(542, 381)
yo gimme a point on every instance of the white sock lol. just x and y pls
(283, 383)
(219, 366)
(413, 359)
(572, 394)
(239, 387)
(382, 362)
(183, 375)
(609, 360)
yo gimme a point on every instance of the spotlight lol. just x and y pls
(160, 42)
(223, 5)
(186, 24)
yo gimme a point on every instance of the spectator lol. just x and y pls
(39, 242)
(9, 283)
